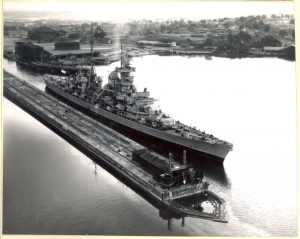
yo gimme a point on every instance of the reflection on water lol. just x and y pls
(237, 100)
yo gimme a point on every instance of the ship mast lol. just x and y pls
(121, 54)
(92, 46)
(91, 70)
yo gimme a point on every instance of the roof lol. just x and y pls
(45, 29)
(156, 161)
(286, 47)
(273, 48)
(62, 31)
(84, 49)
(139, 151)
(28, 44)
(198, 43)
(202, 29)
(210, 47)
(197, 35)
(166, 39)
(67, 43)
(196, 39)
(148, 42)
(219, 28)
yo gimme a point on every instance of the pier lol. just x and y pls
(106, 145)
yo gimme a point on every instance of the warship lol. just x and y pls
(119, 103)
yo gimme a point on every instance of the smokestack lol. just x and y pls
(170, 159)
(184, 157)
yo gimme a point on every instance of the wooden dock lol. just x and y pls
(103, 144)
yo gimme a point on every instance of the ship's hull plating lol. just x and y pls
(196, 149)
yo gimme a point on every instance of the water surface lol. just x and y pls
(50, 187)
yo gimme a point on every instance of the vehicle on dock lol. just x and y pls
(119, 102)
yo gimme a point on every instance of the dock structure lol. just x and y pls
(104, 144)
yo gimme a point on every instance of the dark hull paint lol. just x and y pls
(164, 142)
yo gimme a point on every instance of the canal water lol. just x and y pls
(50, 187)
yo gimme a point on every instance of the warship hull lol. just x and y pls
(197, 150)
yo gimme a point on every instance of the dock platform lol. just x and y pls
(105, 145)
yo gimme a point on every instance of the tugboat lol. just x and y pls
(119, 103)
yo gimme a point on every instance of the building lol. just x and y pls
(198, 44)
(213, 48)
(74, 35)
(70, 45)
(27, 51)
(182, 31)
(220, 30)
(288, 51)
(284, 20)
(153, 43)
(272, 49)
(219, 43)
(146, 43)
(168, 40)
(62, 33)
(198, 35)
(106, 39)
(216, 36)
(43, 33)
(202, 30)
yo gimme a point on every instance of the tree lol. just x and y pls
(255, 25)
(261, 24)
(99, 32)
(94, 24)
(283, 33)
(208, 42)
(242, 19)
(234, 39)
(266, 28)
(270, 41)
(84, 26)
(241, 27)
(245, 37)
(162, 28)
(226, 24)
(273, 16)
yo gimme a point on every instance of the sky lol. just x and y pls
(121, 11)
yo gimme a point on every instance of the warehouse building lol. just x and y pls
(69, 45)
